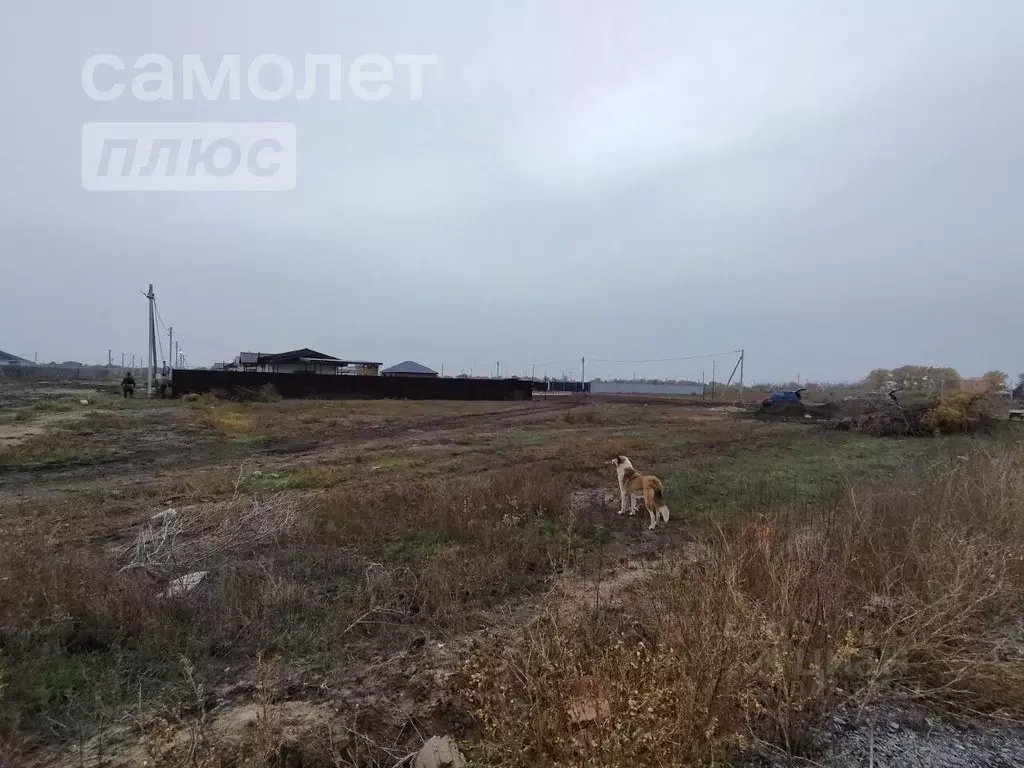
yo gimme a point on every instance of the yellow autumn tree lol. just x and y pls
(995, 381)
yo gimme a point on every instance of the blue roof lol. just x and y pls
(409, 366)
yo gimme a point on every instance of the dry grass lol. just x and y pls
(772, 626)
(829, 568)
(298, 574)
(45, 450)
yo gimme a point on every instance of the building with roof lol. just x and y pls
(6, 358)
(409, 368)
(247, 361)
(304, 360)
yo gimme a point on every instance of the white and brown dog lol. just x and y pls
(633, 486)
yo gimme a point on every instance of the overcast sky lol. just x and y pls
(832, 186)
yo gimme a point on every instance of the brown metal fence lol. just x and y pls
(310, 385)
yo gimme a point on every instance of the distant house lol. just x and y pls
(409, 368)
(303, 360)
(6, 358)
(247, 360)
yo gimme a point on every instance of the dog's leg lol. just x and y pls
(654, 517)
(622, 495)
(632, 504)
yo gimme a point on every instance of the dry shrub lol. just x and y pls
(954, 412)
(950, 414)
(267, 394)
(584, 414)
(753, 641)
(959, 411)
(73, 616)
(92, 630)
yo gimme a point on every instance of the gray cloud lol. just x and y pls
(833, 188)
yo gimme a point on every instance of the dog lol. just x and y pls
(633, 485)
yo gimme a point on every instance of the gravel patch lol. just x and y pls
(900, 734)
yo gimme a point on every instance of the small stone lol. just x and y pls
(586, 710)
(185, 583)
(439, 752)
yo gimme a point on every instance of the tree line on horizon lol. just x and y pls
(907, 377)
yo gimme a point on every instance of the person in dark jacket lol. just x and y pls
(128, 385)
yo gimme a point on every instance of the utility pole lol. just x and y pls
(170, 345)
(152, 343)
(442, 370)
(743, 354)
(110, 358)
(712, 381)
(583, 371)
(703, 387)
(177, 356)
(498, 362)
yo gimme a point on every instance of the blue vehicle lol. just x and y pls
(781, 398)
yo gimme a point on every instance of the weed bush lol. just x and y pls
(764, 631)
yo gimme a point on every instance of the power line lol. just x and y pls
(673, 359)
(555, 362)
(159, 319)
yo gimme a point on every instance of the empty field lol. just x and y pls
(369, 574)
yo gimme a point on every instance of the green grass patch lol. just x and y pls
(260, 481)
(247, 440)
(814, 469)
(77, 682)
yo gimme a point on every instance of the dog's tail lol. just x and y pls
(659, 501)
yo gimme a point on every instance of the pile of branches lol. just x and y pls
(890, 416)
(190, 539)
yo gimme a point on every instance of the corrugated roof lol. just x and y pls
(295, 354)
(7, 357)
(409, 366)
